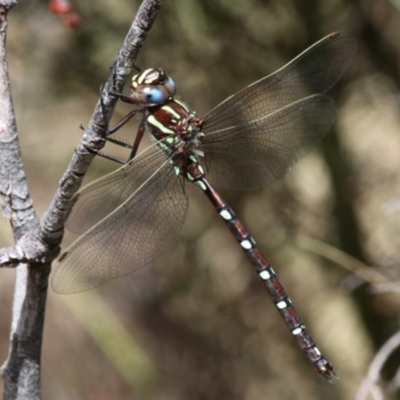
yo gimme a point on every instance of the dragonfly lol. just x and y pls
(129, 217)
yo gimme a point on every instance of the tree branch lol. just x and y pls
(21, 374)
(38, 244)
(94, 138)
(370, 384)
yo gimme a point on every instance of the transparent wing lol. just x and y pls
(101, 197)
(144, 209)
(247, 136)
(315, 70)
(261, 151)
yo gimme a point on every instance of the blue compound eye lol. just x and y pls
(155, 95)
(170, 84)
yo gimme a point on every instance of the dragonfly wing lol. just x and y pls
(257, 152)
(315, 70)
(101, 197)
(144, 224)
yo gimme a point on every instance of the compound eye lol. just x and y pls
(170, 85)
(155, 95)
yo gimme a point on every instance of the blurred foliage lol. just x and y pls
(198, 323)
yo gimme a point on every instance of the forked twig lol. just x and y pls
(370, 384)
(37, 244)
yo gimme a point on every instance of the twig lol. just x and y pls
(358, 268)
(370, 382)
(21, 376)
(37, 245)
(93, 140)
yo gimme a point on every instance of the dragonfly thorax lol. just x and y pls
(175, 127)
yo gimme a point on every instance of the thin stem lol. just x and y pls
(21, 370)
(52, 224)
(370, 384)
(37, 245)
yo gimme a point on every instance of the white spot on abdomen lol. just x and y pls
(264, 275)
(225, 214)
(282, 305)
(297, 331)
(246, 244)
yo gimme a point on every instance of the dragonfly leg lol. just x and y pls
(119, 142)
(108, 157)
(122, 122)
(139, 136)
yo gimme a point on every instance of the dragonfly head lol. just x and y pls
(152, 87)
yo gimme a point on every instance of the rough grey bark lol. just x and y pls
(21, 373)
(37, 243)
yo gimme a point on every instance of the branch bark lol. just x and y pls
(37, 244)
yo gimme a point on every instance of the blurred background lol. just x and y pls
(197, 323)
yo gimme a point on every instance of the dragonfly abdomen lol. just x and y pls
(269, 279)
